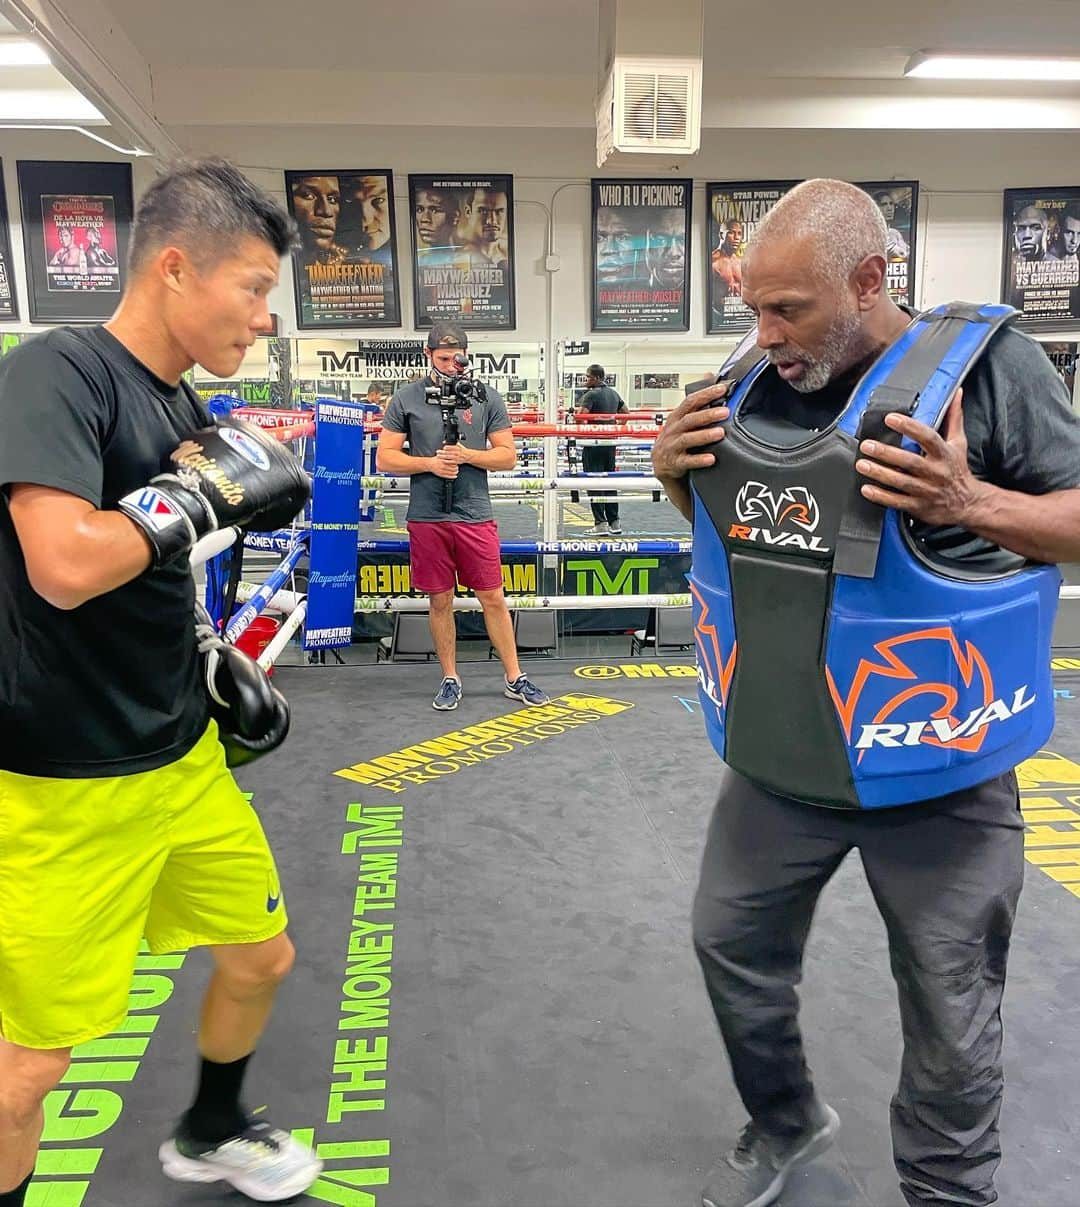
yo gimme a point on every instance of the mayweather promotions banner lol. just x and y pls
(9, 306)
(345, 271)
(463, 250)
(76, 218)
(1040, 269)
(640, 269)
(734, 212)
(898, 201)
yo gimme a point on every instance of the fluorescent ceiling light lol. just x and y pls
(933, 65)
(46, 105)
(21, 52)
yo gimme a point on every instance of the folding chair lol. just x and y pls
(410, 639)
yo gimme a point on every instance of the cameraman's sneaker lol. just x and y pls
(263, 1162)
(598, 530)
(449, 694)
(755, 1172)
(523, 689)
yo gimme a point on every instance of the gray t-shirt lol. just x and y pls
(409, 412)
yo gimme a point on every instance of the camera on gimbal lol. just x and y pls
(455, 392)
(452, 392)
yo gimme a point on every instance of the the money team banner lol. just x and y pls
(345, 271)
(463, 250)
(76, 219)
(640, 267)
(898, 201)
(734, 210)
(1040, 269)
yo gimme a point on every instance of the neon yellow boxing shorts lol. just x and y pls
(90, 866)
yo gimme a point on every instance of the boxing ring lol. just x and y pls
(314, 588)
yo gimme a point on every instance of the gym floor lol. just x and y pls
(496, 1001)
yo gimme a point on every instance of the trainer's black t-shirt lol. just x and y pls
(111, 687)
(1021, 430)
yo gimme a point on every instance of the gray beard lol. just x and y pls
(836, 353)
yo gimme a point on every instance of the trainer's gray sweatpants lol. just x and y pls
(946, 876)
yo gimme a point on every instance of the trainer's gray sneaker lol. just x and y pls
(523, 689)
(755, 1172)
(449, 694)
(263, 1162)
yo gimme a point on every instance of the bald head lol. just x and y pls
(839, 223)
(814, 274)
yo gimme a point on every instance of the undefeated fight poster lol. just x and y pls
(463, 250)
(76, 219)
(640, 270)
(1040, 269)
(9, 307)
(345, 270)
(734, 212)
(898, 201)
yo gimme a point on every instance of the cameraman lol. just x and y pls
(460, 543)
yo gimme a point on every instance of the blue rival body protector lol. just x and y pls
(841, 660)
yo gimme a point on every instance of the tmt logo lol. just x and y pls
(592, 577)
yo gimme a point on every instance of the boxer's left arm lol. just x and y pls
(72, 551)
(54, 420)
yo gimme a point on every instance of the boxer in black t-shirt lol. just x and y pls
(120, 819)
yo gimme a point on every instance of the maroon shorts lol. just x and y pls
(444, 552)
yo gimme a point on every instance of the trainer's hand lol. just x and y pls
(936, 485)
(693, 423)
(442, 468)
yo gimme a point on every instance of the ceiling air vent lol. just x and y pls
(651, 106)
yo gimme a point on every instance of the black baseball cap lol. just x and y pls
(447, 335)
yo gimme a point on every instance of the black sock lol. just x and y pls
(216, 1113)
(16, 1197)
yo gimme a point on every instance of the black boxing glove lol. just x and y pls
(231, 474)
(251, 714)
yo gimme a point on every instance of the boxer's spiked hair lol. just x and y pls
(205, 207)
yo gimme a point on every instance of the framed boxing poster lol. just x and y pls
(734, 210)
(345, 269)
(463, 250)
(898, 201)
(1063, 356)
(76, 221)
(1040, 239)
(640, 269)
(9, 305)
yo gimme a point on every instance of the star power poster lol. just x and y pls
(463, 250)
(76, 219)
(1041, 237)
(734, 212)
(345, 269)
(640, 267)
(898, 201)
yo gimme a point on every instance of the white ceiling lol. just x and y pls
(168, 69)
(809, 39)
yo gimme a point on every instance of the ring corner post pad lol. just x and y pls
(335, 524)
